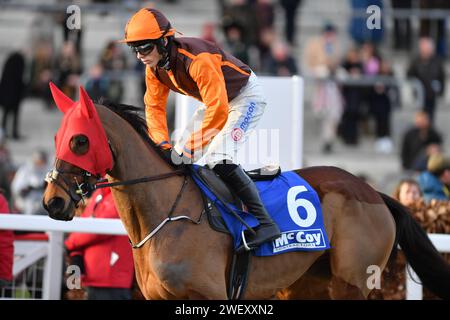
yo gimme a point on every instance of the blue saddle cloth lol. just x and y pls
(292, 204)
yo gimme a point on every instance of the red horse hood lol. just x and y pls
(82, 118)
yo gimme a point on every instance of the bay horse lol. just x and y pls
(187, 259)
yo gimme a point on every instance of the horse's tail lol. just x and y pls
(421, 254)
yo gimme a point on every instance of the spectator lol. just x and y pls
(420, 164)
(290, 11)
(416, 140)
(380, 106)
(243, 13)
(113, 61)
(42, 72)
(105, 261)
(234, 42)
(266, 38)
(6, 248)
(402, 25)
(322, 53)
(429, 70)
(435, 182)
(407, 192)
(12, 91)
(322, 56)
(352, 97)
(29, 183)
(69, 69)
(73, 35)
(208, 32)
(112, 58)
(280, 62)
(435, 27)
(371, 59)
(97, 84)
(265, 14)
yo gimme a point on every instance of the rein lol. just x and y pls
(85, 188)
(101, 184)
(168, 219)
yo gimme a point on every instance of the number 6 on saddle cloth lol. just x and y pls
(290, 201)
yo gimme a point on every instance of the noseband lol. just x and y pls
(82, 189)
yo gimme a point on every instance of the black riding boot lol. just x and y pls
(246, 190)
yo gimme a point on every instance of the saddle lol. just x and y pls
(241, 260)
(225, 195)
(221, 190)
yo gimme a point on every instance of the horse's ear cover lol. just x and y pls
(88, 108)
(82, 118)
(63, 102)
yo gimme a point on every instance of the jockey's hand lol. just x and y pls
(179, 159)
(175, 158)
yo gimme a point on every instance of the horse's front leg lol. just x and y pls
(187, 279)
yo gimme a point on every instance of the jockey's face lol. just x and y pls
(150, 58)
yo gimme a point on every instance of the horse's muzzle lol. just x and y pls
(56, 209)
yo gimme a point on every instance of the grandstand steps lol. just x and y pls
(39, 125)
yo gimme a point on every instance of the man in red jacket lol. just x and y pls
(6, 248)
(106, 261)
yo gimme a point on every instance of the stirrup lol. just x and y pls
(244, 246)
(244, 242)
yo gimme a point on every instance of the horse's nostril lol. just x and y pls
(55, 205)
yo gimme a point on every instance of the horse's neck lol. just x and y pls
(145, 205)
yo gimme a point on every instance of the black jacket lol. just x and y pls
(414, 145)
(12, 86)
(429, 72)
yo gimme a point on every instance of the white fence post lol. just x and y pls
(413, 289)
(53, 267)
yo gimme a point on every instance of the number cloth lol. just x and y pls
(292, 204)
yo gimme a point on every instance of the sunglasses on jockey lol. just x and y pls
(143, 49)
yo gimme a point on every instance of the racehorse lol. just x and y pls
(187, 259)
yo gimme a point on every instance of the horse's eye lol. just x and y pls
(79, 144)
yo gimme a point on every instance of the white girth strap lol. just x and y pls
(151, 234)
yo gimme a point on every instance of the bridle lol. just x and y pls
(82, 189)
(85, 188)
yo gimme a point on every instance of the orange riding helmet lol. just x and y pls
(147, 24)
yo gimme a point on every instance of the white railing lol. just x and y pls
(54, 249)
(414, 290)
(56, 229)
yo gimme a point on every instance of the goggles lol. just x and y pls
(144, 49)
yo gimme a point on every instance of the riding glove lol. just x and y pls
(175, 158)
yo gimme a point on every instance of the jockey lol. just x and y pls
(232, 104)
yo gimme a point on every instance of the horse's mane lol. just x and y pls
(132, 115)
